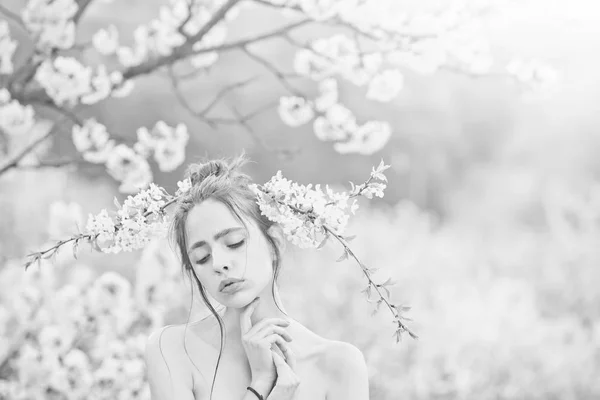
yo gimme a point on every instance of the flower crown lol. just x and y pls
(309, 217)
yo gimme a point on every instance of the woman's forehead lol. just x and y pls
(211, 214)
(209, 217)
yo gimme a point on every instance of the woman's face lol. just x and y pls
(220, 247)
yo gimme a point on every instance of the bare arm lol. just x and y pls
(349, 374)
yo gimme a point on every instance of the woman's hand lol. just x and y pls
(257, 341)
(287, 381)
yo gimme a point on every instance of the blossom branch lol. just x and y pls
(91, 237)
(393, 308)
(185, 49)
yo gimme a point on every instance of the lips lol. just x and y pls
(227, 282)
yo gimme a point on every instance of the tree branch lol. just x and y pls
(281, 77)
(82, 5)
(14, 16)
(14, 161)
(183, 50)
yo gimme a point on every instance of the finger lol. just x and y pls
(260, 325)
(284, 372)
(273, 339)
(273, 329)
(245, 321)
(290, 356)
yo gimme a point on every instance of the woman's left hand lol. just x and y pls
(287, 381)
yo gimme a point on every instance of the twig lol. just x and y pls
(14, 16)
(182, 51)
(82, 5)
(35, 257)
(278, 74)
(14, 161)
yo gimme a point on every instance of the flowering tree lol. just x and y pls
(372, 43)
(52, 85)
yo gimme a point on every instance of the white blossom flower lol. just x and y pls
(129, 168)
(361, 71)
(367, 139)
(92, 140)
(295, 111)
(169, 155)
(183, 187)
(110, 291)
(65, 79)
(303, 212)
(131, 56)
(325, 130)
(385, 85)
(54, 339)
(532, 72)
(16, 119)
(106, 41)
(7, 49)
(308, 63)
(101, 87)
(328, 94)
(79, 373)
(101, 225)
(51, 21)
(120, 88)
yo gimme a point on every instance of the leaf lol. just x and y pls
(117, 204)
(343, 256)
(367, 291)
(386, 291)
(323, 242)
(349, 238)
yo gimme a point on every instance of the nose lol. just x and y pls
(222, 260)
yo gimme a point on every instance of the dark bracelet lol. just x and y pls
(255, 392)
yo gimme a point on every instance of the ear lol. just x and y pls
(278, 236)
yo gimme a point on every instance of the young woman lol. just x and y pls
(233, 252)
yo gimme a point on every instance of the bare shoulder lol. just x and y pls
(168, 373)
(346, 370)
(340, 357)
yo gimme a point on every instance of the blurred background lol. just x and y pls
(490, 224)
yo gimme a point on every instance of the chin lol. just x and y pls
(239, 299)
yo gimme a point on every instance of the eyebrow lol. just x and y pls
(219, 235)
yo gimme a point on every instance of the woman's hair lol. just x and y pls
(220, 180)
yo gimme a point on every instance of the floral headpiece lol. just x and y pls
(309, 217)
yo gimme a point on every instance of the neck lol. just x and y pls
(266, 308)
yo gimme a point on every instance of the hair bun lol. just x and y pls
(219, 168)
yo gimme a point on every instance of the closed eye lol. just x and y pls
(232, 246)
(236, 245)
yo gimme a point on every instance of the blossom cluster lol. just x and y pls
(129, 165)
(140, 219)
(69, 82)
(84, 340)
(176, 23)
(15, 119)
(7, 49)
(307, 215)
(334, 121)
(51, 21)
